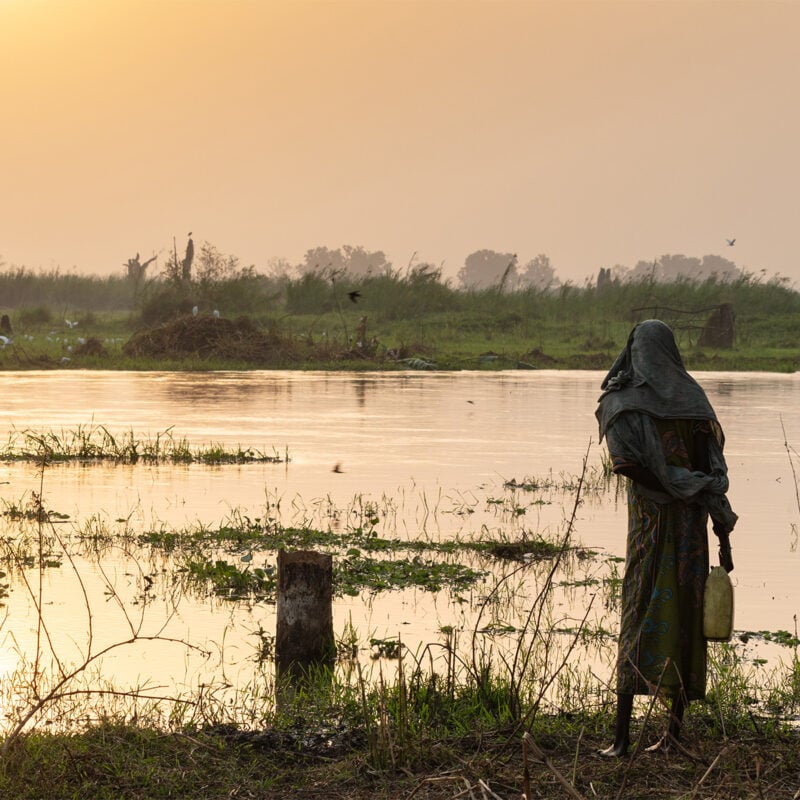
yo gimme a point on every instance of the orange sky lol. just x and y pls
(597, 132)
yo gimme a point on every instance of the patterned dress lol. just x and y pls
(661, 639)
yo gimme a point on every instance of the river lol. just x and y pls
(428, 450)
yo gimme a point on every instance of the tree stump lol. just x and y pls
(720, 328)
(304, 630)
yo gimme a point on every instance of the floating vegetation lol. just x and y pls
(267, 534)
(351, 575)
(526, 550)
(95, 443)
(596, 478)
(228, 581)
(356, 573)
(385, 648)
(33, 509)
(781, 637)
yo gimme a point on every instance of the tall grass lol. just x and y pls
(393, 294)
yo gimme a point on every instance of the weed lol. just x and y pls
(94, 443)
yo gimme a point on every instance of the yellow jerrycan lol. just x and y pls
(718, 606)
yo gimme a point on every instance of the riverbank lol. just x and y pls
(450, 342)
(128, 762)
(392, 321)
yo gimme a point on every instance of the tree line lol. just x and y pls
(482, 269)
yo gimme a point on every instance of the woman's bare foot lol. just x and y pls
(617, 750)
(666, 744)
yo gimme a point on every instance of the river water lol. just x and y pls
(429, 451)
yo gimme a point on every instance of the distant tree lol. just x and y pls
(213, 265)
(179, 270)
(670, 268)
(321, 259)
(186, 264)
(678, 266)
(538, 273)
(135, 268)
(280, 268)
(355, 261)
(644, 271)
(485, 268)
(720, 268)
(359, 261)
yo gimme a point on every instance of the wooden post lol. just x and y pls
(304, 630)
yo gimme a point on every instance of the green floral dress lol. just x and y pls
(661, 641)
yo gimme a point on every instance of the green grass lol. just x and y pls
(410, 322)
(95, 443)
(435, 736)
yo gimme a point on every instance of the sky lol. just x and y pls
(597, 132)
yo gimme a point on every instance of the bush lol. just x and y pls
(34, 317)
(165, 304)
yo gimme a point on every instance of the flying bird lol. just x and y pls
(731, 242)
(354, 295)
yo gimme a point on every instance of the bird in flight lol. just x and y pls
(354, 295)
(731, 242)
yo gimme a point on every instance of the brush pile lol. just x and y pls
(208, 338)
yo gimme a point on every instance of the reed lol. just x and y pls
(96, 443)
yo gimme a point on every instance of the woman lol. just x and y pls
(662, 434)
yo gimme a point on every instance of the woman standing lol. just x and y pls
(663, 434)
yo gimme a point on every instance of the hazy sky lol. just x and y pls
(597, 132)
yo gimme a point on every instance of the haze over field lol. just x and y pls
(598, 133)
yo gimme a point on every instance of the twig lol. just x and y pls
(526, 774)
(437, 779)
(791, 464)
(707, 773)
(487, 791)
(467, 791)
(571, 790)
(577, 753)
(636, 748)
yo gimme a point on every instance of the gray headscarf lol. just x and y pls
(649, 376)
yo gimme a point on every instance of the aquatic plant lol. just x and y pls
(87, 444)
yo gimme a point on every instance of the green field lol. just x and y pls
(411, 321)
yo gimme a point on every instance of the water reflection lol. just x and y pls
(430, 455)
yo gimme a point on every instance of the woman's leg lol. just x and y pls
(621, 728)
(676, 717)
(673, 733)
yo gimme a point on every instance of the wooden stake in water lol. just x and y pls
(304, 631)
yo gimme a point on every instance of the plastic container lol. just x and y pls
(718, 606)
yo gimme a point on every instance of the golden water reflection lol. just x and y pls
(430, 456)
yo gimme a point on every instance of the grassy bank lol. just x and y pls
(411, 321)
(412, 737)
